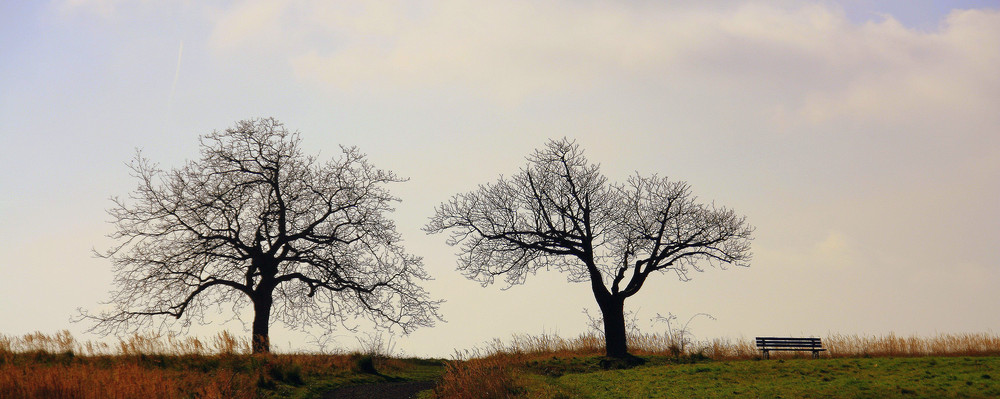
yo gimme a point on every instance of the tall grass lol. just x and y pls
(837, 345)
(38, 365)
(150, 344)
(120, 380)
(970, 344)
(473, 375)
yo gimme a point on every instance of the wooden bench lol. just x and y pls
(768, 344)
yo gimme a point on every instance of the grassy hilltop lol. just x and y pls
(544, 366)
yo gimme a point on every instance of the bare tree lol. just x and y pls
(257, 222)
(560, 212)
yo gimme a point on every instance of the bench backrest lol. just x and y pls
(791, 343)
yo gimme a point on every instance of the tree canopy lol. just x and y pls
(561, 212)
(256, 221)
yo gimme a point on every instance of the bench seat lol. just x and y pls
(768, 344)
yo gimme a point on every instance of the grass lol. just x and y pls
(43, 375)
(388, 370)
(56, 366)
(548, 366)
(542, 366)
(927, 377)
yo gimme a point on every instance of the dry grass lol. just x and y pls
(120, 380)
(975, 344)
(889, 345)
(58, 366)
(488, 377)
(837, 345)
(727, 349)
(151, 344)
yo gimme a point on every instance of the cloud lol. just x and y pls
(506, 51)
(812, 64)
(903, 73)
(865, 152)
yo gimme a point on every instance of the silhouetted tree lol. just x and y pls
(560, 212)
(257, 222)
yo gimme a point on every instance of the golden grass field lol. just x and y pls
(58, 366)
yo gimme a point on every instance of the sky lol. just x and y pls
(861, 139)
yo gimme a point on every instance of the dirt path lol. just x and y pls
(381, 390)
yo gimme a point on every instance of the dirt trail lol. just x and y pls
(381, 390)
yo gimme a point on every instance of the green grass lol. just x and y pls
(411, 369)
(928, 377)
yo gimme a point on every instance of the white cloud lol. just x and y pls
(502, 50)
(950, 71)
(814, 63)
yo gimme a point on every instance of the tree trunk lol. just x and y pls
(261, 321)
(613, 311)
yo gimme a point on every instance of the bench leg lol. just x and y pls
(767, 354)
(815, 354)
